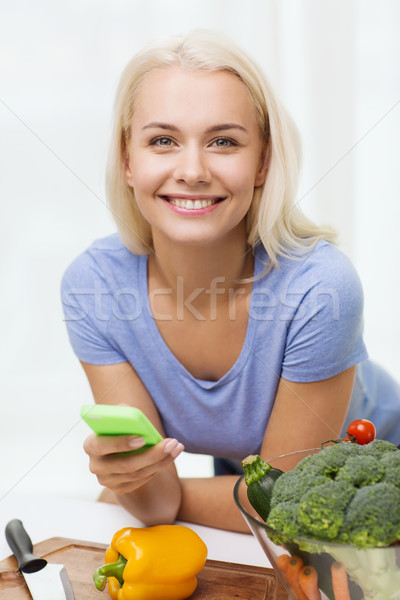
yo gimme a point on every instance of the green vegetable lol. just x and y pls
(260, 478)
(322, 509)
(283, 518)
(361, 471)
(373, 517)
(379, 447)
(347, 494)
(292, 487)
(391, 462)
(329, 461)
(330, 488)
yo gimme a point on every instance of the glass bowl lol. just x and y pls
(372, 574)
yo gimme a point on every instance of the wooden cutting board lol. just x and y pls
(217, 581)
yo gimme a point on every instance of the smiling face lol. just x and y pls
(195, 154)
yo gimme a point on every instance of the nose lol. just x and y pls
(192, 166)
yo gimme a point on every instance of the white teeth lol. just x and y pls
(190, 204)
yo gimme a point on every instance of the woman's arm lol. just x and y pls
(145, 483)
(304, 415)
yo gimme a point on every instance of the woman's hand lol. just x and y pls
(145, 483)
(120, 470)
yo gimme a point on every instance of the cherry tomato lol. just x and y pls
(363, 430)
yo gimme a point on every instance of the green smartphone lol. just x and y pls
(105, 419)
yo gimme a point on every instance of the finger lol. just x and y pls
(116, 469)
(116, 473)
(172, 447)
(166, 450)
(102, 445)
(141, 464)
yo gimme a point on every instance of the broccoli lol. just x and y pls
(330, 461)
(322, 509)
(361, 470)
(283, 518)
(289, 487)
(391, 463)
(346, 494)
(378, 448)
(325, 485)
(373, 517)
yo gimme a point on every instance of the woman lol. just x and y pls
(219, 309)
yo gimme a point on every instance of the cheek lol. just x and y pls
(147, 176)
(240, 177)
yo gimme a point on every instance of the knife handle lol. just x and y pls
(21, 545)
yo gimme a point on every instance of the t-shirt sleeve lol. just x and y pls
(324, 335)
(85, 302)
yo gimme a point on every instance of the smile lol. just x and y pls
(192, 203)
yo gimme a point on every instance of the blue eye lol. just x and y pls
(162, 141)
(224, 142)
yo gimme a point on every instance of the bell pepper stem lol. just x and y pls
(114, 569)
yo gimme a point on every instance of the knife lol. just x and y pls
(45, 581)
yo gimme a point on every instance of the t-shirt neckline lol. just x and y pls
(170, 356)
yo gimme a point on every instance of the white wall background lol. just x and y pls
(336, 66)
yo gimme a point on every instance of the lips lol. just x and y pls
(192, 202)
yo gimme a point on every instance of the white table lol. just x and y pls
(51, 516)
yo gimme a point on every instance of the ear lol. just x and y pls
(128, 170)
(262, 172)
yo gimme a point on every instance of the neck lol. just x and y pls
(220, 264)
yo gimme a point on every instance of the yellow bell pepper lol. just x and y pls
(152, 563)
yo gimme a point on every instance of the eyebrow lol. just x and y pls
(213, 129)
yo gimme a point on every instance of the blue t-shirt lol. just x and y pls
(305, 324)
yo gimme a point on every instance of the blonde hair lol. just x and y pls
(273, 219)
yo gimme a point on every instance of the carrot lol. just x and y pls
(294, 566)
(339, 582)
(308, 580)
(282, 562)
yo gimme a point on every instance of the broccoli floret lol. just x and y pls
(373, 517)
(361, 470)
(330, 460)
(309, 461)
(378, 448)
(291, 486)
(391, 463)
(283, 518)
(336, 456)
(340, 452)
(322, 509)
